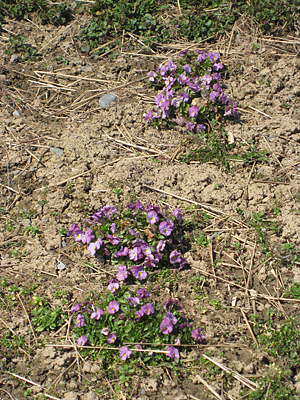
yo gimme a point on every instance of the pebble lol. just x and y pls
(16, 113)
(61, 266)
(56, 150)
(25, 222)
(106, 100)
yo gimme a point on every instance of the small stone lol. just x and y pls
(90, 396)
(13, 58)
(25, 222)
(106, 100)
(61, 266)
(56, 150)
(16, 113)
(71, 396)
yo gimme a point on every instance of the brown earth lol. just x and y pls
(114, 148)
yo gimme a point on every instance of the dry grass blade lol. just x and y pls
(201, 380)
(32, 383)
(27, 316)
(251, 385)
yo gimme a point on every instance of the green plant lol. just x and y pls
(274, 386)
(45, 318)
(18, 44)
(129, 318)
(60, 60)
(32, 230)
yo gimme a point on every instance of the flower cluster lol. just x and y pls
(135, 239)
(126, 318)
(191, 91)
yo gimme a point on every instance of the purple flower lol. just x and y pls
(80, 321)
(176, 26)
(224, 99)
(195, 88)
(185, 325)
(165, 113)
(163, 70)
(171, 317)
(139, 206)
(113, 227)
(113, 287)
(124, 353)
(228, 111)
(172, 352)
(184, 96)
(197, 335)
(172, 66)
(187, 68)
(213, 56)
(201, 56)
(177, 214)
(216, 76)
(82, 340)
(166, 228)
(76, 308)
(183, 53)
(134, 301)
(135, 254)
(105, 331)
(213, 95)
(113, 239)
(173, 303)
(206, 79)
(122, 273)
(152, 217)
(150, 207)
(166, 326)
(176, 102)
(161, 101)
(149, 115)
(132, 233)
(217, 87)
(169, 81)
(151, 76)
(73, 228)
(146, 249)
(182, 79)
(200, 127)
(113, 307)
(148, 309)
(121, 253)
(138, 242)
(139, 314)
(94, 246)
(138, 272)
(193, 111)
(175, 257)
(217, 66)
(111, 338)
(182, 262)
(177, 342)
(161, 245)
(190, 126)
(77, 235)
(97, 314)
(142, 292)
(169, 94)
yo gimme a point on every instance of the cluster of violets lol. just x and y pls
(136, 239)
(191, 91)
(106, 322)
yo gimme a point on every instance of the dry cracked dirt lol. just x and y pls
(63, 157)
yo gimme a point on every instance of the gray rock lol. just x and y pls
(71, 396)
(90, 396)
(16, 113)
(56, 150)
(107, 99)
(25, 222)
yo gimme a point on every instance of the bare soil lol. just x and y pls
(104, 149)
